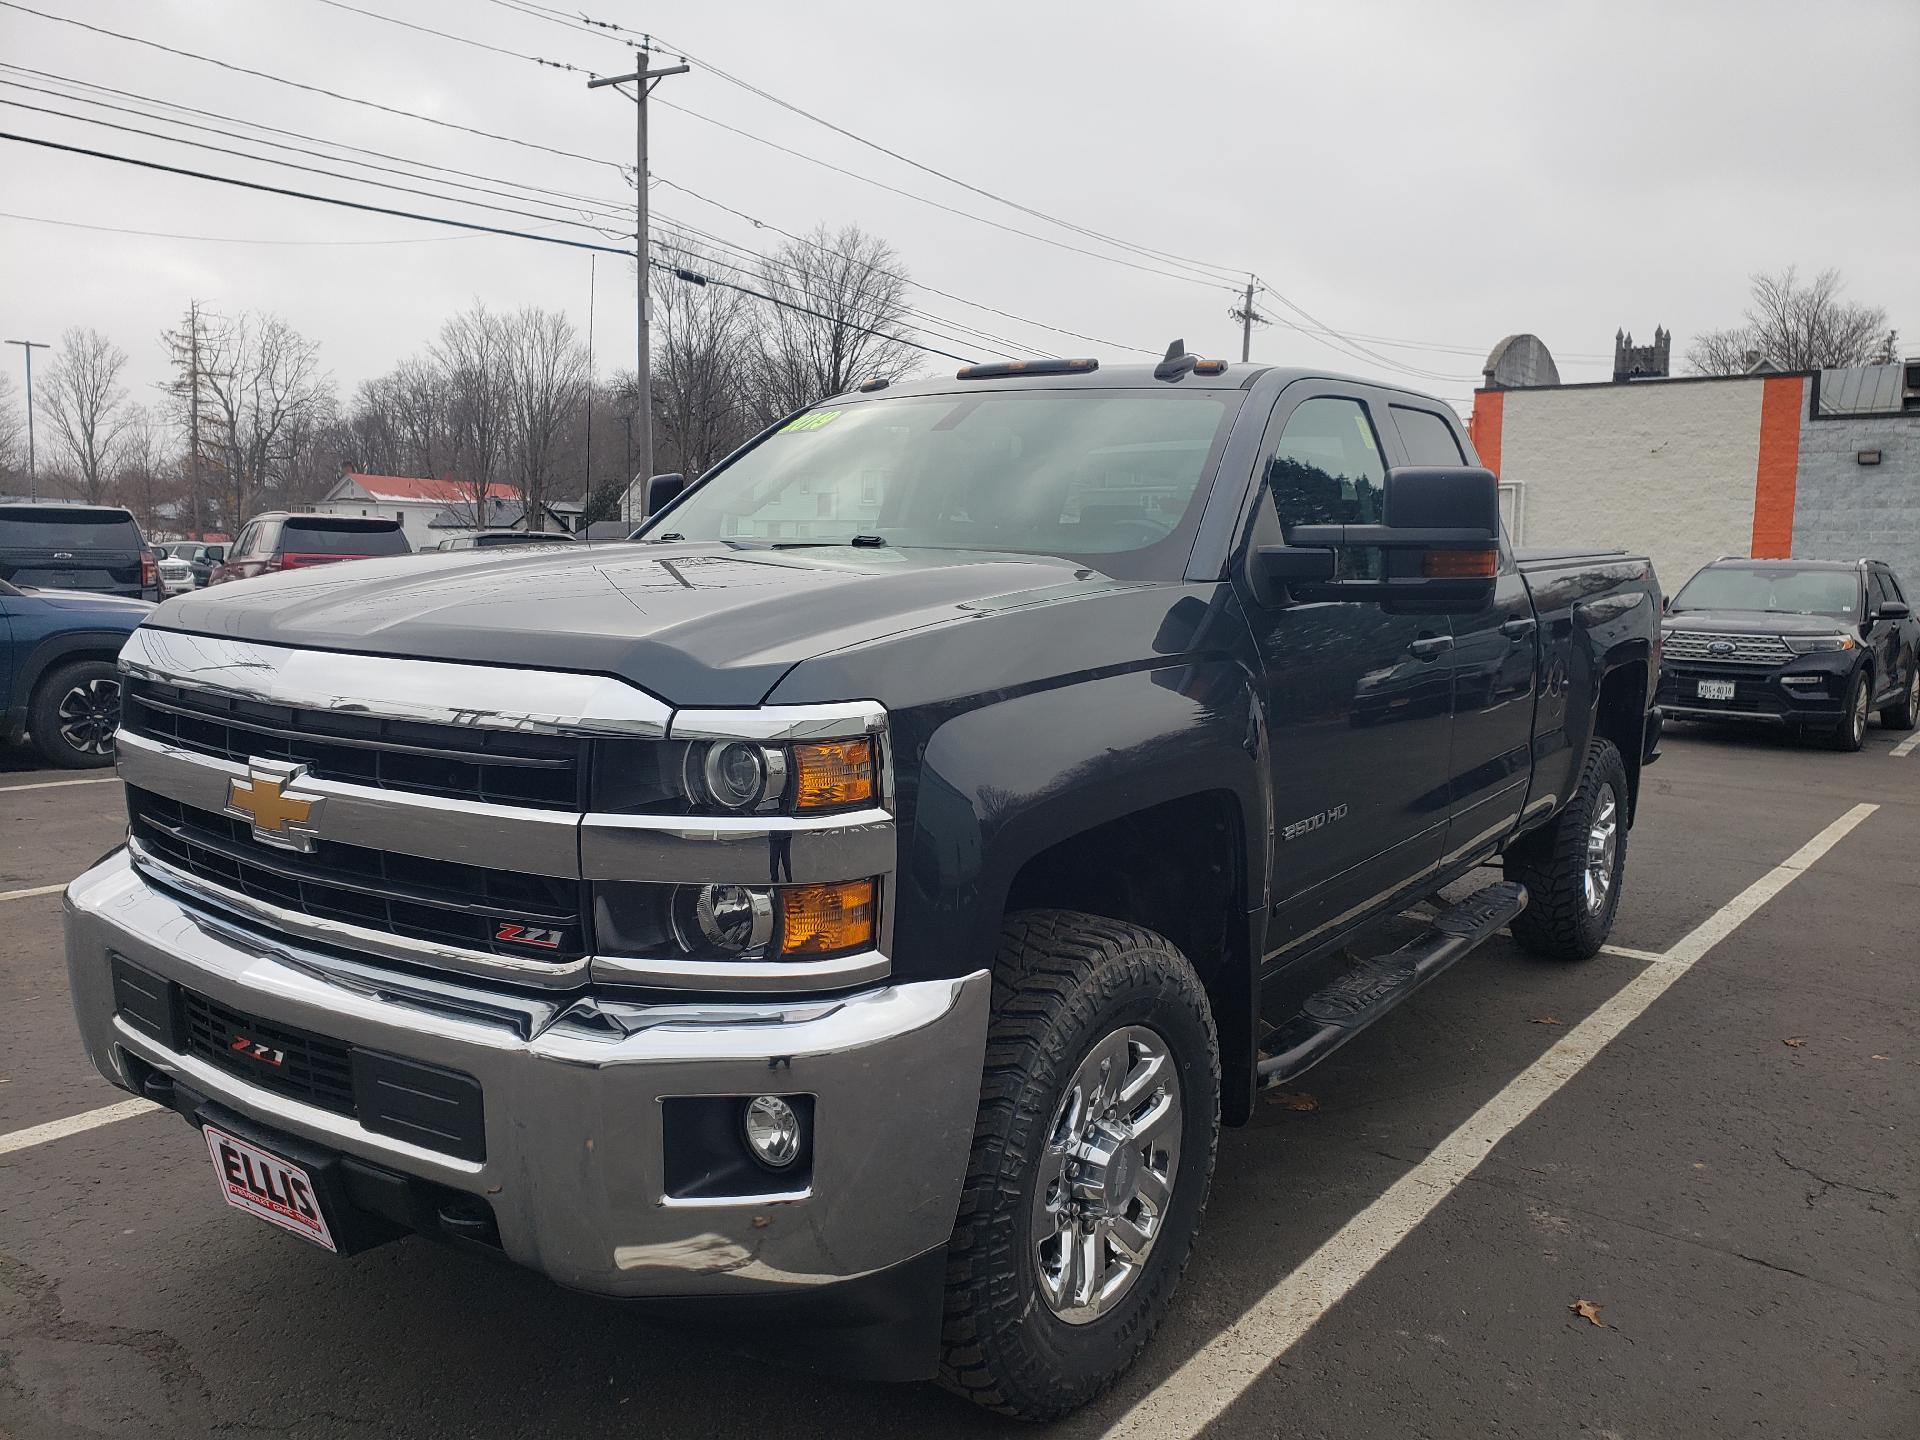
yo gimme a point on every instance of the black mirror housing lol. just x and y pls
(1893, 610)
(663, 490)
(1453, 497)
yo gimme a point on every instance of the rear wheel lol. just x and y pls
(73, 714)
(1573, 867)
(1851, 732)
(1099, 1109)
(1904, 713)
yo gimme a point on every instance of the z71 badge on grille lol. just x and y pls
(277, 817)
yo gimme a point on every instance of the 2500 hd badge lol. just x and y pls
(853, 908)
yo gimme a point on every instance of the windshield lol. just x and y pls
(1783, 591)
(1111, 475)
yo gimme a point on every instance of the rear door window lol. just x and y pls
(345, 535)
(27, 527)
(1428, 438)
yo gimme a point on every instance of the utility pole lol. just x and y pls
(1248, 318)
(33, 478)
(643, 81)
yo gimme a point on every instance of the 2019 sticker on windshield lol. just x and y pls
(812, 420)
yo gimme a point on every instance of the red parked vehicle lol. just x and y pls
(280, 541)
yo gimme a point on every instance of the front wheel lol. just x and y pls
(1094, 1146)
(1573, 866)
(73, 714)
(1851, 732)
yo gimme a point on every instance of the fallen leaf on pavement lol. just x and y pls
(760, 1222)
(1589, 1312)
(1293, 1100)
(1796, 1041)
(1548, 1020)
(1875, 1057)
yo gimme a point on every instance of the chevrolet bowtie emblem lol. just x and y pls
(262, 800)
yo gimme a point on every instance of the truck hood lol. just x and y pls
(695, 624)
(1756, 622)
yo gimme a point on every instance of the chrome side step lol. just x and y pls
(1330, 1017)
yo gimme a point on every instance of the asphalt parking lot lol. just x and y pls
(1702, 1139)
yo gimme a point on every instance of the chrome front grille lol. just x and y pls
(1716, 649)
(498, 767)
(445, 903)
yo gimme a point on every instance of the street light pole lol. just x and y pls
(643, 81)
(33, 479)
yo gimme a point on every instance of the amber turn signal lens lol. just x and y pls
(1460, 564)
(829, 775)
(826, 919)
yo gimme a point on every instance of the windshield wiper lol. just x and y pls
(865, 542)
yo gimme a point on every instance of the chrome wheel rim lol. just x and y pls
(1859, 719)
(1106, 1179)
(88, 714)
(1603, 843)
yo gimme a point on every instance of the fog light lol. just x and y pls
(773, 1131)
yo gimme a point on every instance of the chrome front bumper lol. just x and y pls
(573, 1088)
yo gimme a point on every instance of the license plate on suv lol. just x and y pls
(262, 1184)
(1716, 690)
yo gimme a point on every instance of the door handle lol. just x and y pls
(1519, 629)
(1430, 647)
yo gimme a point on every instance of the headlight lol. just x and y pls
(737, 776)
(735, 922)
(1808, 644)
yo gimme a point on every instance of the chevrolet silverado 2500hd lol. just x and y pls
(852, 910)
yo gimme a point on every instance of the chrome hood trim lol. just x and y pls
(546, 702)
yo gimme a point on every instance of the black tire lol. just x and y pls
(1561, 920)
(1904, 713)
(1851, 732)
(73, 713)
(1065, 985)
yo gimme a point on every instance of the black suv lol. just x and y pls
(1812, 645)
(59, 546)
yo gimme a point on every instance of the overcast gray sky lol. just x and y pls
(1444, 173)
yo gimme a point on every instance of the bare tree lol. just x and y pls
(472, 359)
(856, 288)
(265, 385)
(147, 475)
(13, 428)
(1794, 326)
(87, 405)
(400, 420)
(702, 343)
(548, 379)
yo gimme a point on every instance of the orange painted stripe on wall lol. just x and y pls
(1489, 411)
(1775, 476)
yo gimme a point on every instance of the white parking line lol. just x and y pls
(29, 894)
(1220, 1372)
(1906, 746)
(73, 1125)
(56, 784)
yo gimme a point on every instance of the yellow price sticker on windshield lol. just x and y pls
(1366, 430)
(812, 420)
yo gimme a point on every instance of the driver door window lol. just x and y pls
(1327, 469)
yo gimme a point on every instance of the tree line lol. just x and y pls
(249, 418)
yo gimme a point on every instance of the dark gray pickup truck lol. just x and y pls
(849, 913)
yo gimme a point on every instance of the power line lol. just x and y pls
(598, 207)
(458, 39)
(163, 104)
(311, 89)
(448, 221)
(224, 239)
(305, 169)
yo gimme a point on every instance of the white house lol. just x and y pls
(414, 502)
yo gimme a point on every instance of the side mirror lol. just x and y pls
(662, 491)
(1439, 545)
(1893, 610)
(217, 554)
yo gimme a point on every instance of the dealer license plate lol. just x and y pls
(1716, 689)
(263, 1184)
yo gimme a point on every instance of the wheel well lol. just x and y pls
(1177, 868)
(60, 662)
(1621, 717)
